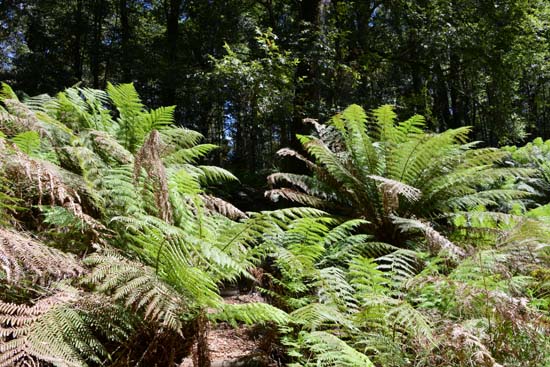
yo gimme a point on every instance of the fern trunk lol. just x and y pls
(202, 352)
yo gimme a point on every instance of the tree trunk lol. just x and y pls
(77, 52)
(96, 44)
(126, 60)
(441, 99)
(203, 352)
(307, 91)
(173, 12)
(456, 100)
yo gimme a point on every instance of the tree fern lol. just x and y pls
(126, 185)
(373, 168)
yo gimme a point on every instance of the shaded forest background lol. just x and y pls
(245, 73)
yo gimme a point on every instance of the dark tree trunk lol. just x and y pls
(77, 47)
(441, 99)
(126, 61)
(253, 158)
(96, 44)
(457, 106)
(203, 352)
(173, 13)
(306, 99)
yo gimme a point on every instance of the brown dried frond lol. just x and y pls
(223, 207)
(17, 347)
(273, 178)
(435, 240)
(469, 348)
(19, 119)
(60, 329)
(139, 287)
(513, 310)
(42, 176)
(148, 158)
(294, 195)
(524, 243)
(320, 128)
(91, 222)
(287, 152)
(107, 146)
(329, 135)
(12, 125)
(391, 189)
(21, 255)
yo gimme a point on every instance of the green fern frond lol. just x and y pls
(181, 137)
(328, 350)
(214, 174)
(131, 130)
(189, 155)
(28, 142)
(316, 315)
(412, 321)
(366, 278)
(157, 119)
(383, 122)
(333, 288)
(343, 231)
(249, 314)
(7, 93)
(401, 265)
(126, 99)
(138, 287)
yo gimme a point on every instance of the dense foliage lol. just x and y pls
(425, 249)
(245, 73)
(387, 172)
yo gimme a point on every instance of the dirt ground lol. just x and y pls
(234, 347)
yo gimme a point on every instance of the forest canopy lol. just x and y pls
(244, 73)
(274, 183)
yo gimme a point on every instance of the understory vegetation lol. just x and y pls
(392, 245)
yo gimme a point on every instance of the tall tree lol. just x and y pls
(172, 9)
(125, 34)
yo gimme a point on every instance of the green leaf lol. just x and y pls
(28, 142)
